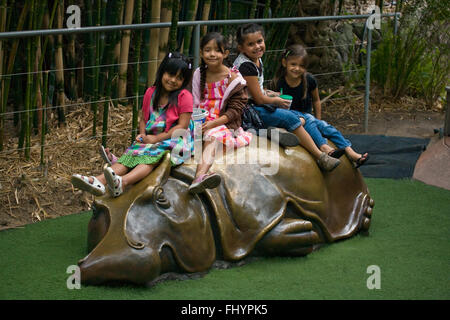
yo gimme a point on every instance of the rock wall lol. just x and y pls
(332, 45)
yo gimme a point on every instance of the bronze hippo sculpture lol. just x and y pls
(157, 227)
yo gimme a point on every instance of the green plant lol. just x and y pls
(415, 60)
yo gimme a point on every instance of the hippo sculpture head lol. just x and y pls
(156, 226)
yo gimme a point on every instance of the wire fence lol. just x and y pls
(8, 115)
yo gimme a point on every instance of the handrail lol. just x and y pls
(141, 26)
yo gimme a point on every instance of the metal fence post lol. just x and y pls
(396, 23)
(367, 90)
(447, 114)
(196, 46)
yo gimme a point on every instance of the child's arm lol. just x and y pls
(142, 124)
(259, 97)
(183, 123)
(316, 103)
(215, 123)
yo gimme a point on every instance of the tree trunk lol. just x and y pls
(124, 50)
(154, 38)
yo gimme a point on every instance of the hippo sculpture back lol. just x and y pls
(156, 226)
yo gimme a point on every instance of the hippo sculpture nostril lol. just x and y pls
(157, 226)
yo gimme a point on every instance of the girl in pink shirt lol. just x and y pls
(223, 93)
(166, 108)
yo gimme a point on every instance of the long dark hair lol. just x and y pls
(294, 50)
(173, 63)
(243, 31)
(221, 43)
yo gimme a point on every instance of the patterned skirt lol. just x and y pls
(181, 147)
(230, 138)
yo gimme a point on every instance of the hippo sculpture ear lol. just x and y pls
(162, 171)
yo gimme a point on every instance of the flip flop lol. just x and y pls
(205, 181)
(104, 155)
(362, 160)
(82, 182)
(337, 153)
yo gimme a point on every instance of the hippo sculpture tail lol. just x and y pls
(156, 226)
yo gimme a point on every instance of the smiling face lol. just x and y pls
(253, 46)
(172, 82)
(212, 54)
(295, 67)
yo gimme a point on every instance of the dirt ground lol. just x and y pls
(30, 192)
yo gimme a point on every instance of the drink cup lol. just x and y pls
(287, 97)
(199, 115)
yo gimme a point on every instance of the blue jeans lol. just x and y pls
(320, 130)
(280, 118)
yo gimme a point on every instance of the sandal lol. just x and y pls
(105, 156)
(362, 160)
(82, 182)
(337, 153)
(113, 180)
(205, 181)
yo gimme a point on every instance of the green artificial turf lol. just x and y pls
(408, 241)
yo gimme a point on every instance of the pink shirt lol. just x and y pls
(185, 104)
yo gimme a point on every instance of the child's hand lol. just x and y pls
(271, 93)
(282, 103)
(208, 125)
(140, 138)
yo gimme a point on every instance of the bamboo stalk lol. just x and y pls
(28, 103)
(253, 10)
(174, 26)
(44, 118)
(114, 70)
(205, 15)
(90, 56)
(225, 5)
(190, 16)
(154, 37)
(37, 98)
(266, 9)
(2, 29)
(104, 43)
(166, 16)
(71, 62)
(134, 123)
(60, 65)
(9, 70)
(124, 50)
(96, 71)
